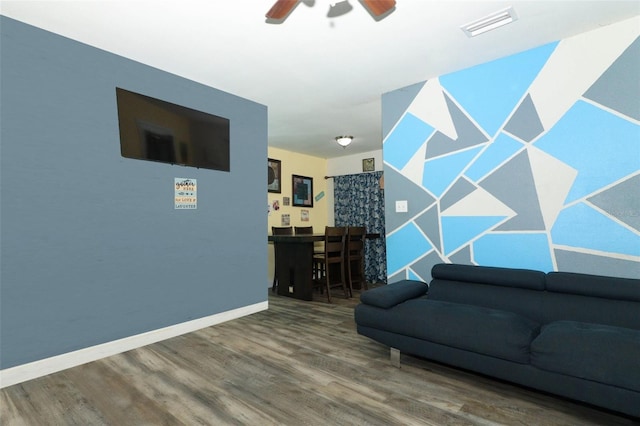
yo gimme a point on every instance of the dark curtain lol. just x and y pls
(359, 201)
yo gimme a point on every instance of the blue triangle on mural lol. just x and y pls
(413, 276)
(395, 103)
(405, 140)
(577, 141)
(503, 147)
(460, 230)
(439, 173)
(503, 83)
(584, 227)
(406, 245)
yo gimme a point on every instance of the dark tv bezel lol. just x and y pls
(194, 116)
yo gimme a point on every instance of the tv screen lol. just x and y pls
(156, 130)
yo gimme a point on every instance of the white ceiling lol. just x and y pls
(319, 77)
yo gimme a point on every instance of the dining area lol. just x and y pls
(326, 238)
(330, 263)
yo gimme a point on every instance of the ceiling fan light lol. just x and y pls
(344, 141)
(339, 8)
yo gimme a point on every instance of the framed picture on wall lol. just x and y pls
(302, 191)
(274, 175)
(369, 165)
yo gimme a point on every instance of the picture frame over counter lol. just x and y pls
(369, 165)
(302, 191)
(274, 175)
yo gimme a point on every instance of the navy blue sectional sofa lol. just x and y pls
(574, 335)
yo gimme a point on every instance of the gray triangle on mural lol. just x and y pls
(618, 87)
(570, 261)
(621, 201)
(525, 122)
(468, 134)
(460, 189)
(462, 256)
(423, 266)
(403, 189)
(394, 105)
(429, 223)
(398, 276)
(513, 185)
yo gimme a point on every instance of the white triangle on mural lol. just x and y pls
(574, 66)
(430, 106)
(479, 203)
(414, 168)
(553, 180)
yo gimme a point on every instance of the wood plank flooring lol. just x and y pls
(299, 363)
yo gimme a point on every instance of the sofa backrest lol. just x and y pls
(592, 298)
(515, 290)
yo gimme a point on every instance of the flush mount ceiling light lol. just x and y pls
(343, 141)
(491, 22)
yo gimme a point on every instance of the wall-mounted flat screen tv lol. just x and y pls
(156, 130)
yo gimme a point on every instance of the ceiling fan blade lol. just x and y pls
(379, 7)
(281, 8)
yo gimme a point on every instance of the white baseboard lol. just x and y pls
(32, 370)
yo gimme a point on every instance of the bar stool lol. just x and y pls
(308, 230)
(303, 230)
(355, 257)
(278, 230)
(332, 261)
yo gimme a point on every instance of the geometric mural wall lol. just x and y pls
(530, 161)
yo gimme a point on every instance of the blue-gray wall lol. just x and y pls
(92, 247)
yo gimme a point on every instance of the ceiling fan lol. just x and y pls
(281, 8)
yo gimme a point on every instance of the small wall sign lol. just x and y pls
(186, 193)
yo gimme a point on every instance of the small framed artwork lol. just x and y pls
(302, 191)
(274, 175)
(369, 165)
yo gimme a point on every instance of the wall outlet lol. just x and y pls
(290, 289)
(402, 206)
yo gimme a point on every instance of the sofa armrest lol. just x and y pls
(392, 294)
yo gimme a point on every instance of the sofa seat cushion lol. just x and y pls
(486, 331)
(601, 353)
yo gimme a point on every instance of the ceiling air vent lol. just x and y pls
(491, 22)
